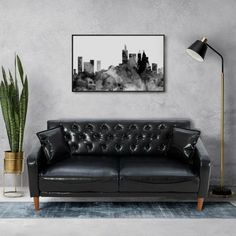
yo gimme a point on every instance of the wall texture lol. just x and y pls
(40, 31)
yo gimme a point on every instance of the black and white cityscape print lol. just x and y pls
(118, 63)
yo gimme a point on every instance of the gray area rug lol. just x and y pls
(87, 210)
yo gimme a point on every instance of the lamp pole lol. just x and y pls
(222, 124)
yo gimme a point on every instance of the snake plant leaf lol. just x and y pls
(26, 95)
(16, 108)
(23, 111)
(15, 98)
(12, 119)
(20, 69)
(10, 77)
(5, 111)
(4, 76)
(15, 67)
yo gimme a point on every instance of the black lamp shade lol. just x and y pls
(197, 50)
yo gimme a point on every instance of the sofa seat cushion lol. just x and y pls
(156, 174)
(81, 174)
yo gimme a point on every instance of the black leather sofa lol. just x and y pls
(117, 158)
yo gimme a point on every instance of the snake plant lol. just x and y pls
(14, 103)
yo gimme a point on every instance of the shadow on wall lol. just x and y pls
(37, 116)
(213, 148)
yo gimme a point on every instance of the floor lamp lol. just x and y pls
(197, 51)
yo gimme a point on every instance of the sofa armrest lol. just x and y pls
(35, 162)
(202, 165)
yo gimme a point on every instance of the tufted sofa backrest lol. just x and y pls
(118, 137)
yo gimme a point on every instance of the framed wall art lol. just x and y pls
(118, 63)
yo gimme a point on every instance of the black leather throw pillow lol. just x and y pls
(183, 143)
(54, 144)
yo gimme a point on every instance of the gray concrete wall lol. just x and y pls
(40, 31)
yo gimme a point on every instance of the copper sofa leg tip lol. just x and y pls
(36, 203)
(200, 201)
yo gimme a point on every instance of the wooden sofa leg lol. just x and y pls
(36, 203)
(200, 201)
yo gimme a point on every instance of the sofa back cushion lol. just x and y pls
(118, 137)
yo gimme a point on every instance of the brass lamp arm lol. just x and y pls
(222, 59)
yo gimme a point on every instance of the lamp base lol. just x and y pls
(221, 191)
